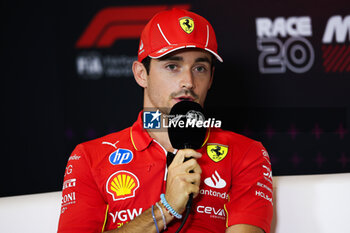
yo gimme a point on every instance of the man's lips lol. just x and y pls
(182, 98)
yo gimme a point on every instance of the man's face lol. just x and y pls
(182, 75)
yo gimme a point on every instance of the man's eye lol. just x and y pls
(200, 69)
(171, 66)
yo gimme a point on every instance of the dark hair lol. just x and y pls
(147, 63)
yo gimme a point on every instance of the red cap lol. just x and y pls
(176, 29)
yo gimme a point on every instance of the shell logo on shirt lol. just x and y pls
(217, 152)
(122, 185)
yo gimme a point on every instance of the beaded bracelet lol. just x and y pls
(168, 207)
(154, 219)
(163, 216)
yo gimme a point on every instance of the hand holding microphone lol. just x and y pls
(180, 182)
(184, 172)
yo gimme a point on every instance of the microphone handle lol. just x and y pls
(189, 202)
(190, 198)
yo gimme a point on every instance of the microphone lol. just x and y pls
(185, 133)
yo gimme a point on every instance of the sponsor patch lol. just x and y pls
(69, 183)
(68, 199)
(213, 212)
(215, 181)
(187, 24)
(217, 152)
(122, 185)
(264, 196)
(74, 157)
(125, 215)
(212, 193)
(121, 156)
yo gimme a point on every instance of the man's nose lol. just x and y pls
(187, 81)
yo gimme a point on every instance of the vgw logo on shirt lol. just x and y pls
(121, 156)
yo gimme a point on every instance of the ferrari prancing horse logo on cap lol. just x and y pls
(187, 24)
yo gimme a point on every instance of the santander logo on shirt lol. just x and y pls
(215, 181)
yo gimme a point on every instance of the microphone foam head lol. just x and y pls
(184, 130)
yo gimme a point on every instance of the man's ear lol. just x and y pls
(140, 73)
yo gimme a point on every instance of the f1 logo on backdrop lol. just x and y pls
(115, 23)
(109, 25)
(336, 44)
(283, 44)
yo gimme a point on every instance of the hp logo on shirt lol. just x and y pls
(151, 119)
(121, 156)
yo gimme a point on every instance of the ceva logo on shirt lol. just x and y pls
(121, 156)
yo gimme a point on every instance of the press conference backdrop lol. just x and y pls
(66, 66)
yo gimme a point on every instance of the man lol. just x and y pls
(120, 182)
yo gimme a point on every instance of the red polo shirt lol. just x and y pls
(111, 180)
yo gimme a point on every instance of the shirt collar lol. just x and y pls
(139, 136)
